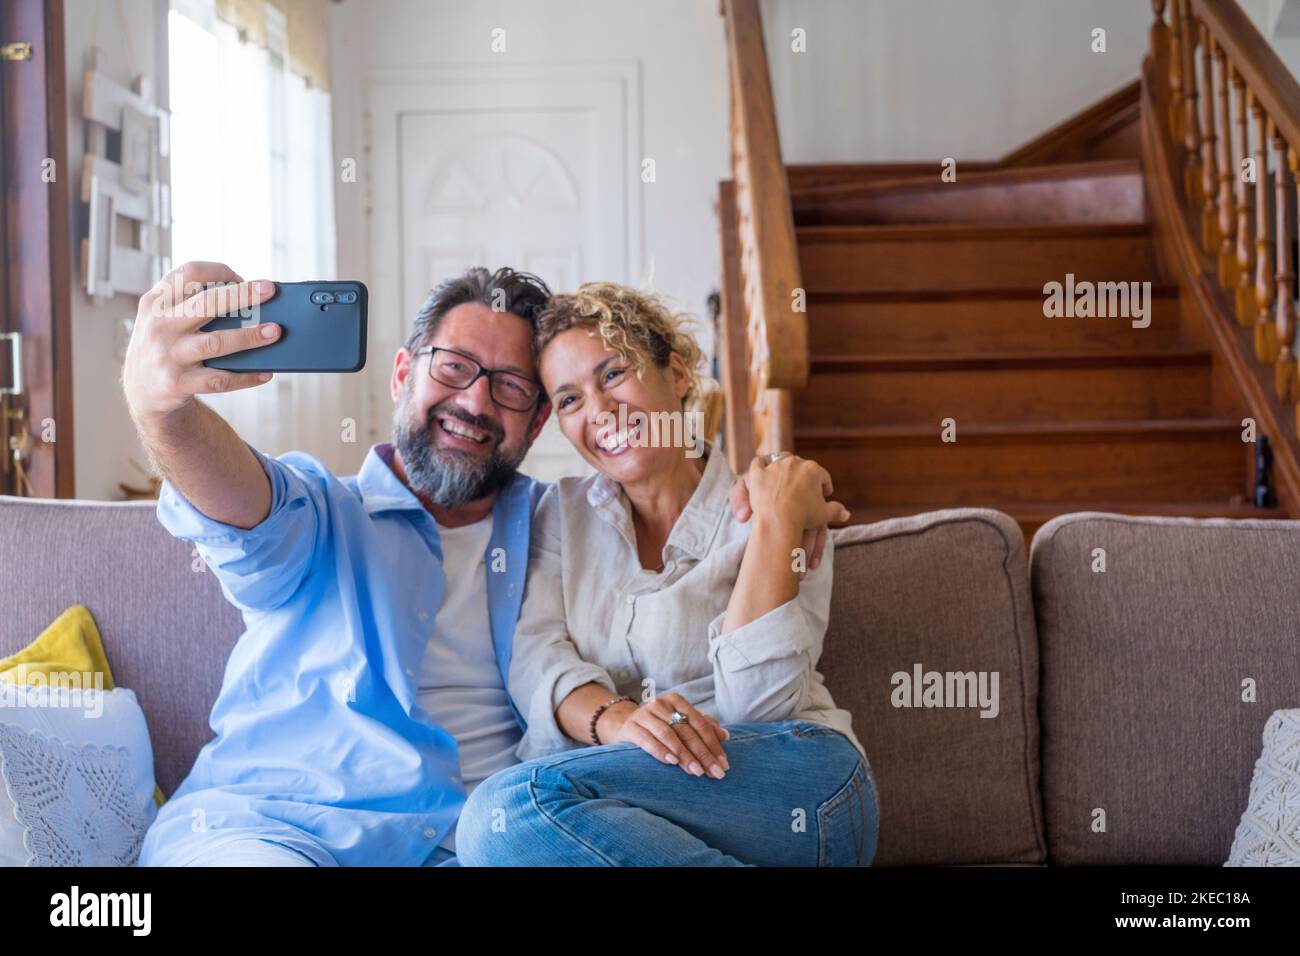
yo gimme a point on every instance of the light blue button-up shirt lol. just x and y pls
(320, 744)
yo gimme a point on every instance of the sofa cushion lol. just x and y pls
(946, 591)
(1144, 667)
(68, 653)
(1269, 832)
(76, 776)
(166, 628)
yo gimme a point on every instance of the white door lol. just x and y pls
(532, 168)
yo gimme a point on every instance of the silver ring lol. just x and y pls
(778, 455)
(677, 718)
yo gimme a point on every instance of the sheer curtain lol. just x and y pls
(252, 186)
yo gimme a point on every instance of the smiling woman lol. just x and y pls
(622, 333)
(656, 628)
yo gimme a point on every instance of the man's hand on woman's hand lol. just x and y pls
(695, 746)
(797, 486)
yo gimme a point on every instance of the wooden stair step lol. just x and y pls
(919, 257)
(803, 176)
(1090, 192)
(865, 390)
(1106, 129)
(1168, 459)
(1032, 515)
(965, 321)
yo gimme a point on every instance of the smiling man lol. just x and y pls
(366, 696)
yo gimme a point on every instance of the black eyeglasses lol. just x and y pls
(457, 370)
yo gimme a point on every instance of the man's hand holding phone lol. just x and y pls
(187, 442)
(164, 367)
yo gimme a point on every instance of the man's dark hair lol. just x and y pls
(519, 293)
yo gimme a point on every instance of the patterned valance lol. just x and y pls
(305, 28)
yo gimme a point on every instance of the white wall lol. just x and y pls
(131, 37)
(918, 80)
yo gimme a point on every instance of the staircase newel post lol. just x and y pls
(1159, 33)
(1245, 297)
(1265, 331)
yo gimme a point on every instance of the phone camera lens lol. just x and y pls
(347, 298)
(322, 298)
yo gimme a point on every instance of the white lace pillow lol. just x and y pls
(76, 777)
(1269, 832)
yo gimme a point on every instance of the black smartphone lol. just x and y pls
(322, 329)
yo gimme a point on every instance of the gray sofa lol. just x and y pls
(1121, 735)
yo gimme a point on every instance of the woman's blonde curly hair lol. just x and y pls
(639, 327)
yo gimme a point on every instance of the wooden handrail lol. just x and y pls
(1227, 140)
(776, 340)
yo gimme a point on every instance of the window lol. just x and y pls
(252, 186)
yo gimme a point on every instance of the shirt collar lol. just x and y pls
(381, 489)
(693, 533)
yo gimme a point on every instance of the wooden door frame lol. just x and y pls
(36, 236)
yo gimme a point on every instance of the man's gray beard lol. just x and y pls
(445, 476)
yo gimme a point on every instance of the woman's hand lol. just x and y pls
(789, 498)
(694, 745)
(814, 538)
(793, 492)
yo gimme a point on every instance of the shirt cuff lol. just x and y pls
(544, 734)
(186, 522)
(779, 634)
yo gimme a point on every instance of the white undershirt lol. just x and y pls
(460, 685)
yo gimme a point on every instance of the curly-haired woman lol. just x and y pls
(666, 654)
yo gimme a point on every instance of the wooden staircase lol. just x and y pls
(926, 304)
(925, 321)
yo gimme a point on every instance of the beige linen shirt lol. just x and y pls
(591, 613)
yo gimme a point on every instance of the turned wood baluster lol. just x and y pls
(1293, 393)
(1191, 126)
(1209, 164)
(1284, 365)
(1227, 211)
(1245, 297)
(1265, 331)
(1176, 69)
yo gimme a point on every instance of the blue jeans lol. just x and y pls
(797, 794)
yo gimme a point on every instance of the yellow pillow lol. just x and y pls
(71, 645)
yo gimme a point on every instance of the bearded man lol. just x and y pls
(367, 693)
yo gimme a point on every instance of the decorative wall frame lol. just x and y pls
(139, 149)
(124, 182)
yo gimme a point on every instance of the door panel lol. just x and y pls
(36, 289)
(528, 167)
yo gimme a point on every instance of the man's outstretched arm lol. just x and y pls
(188, 443)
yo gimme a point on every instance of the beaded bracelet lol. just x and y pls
(600, 710)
